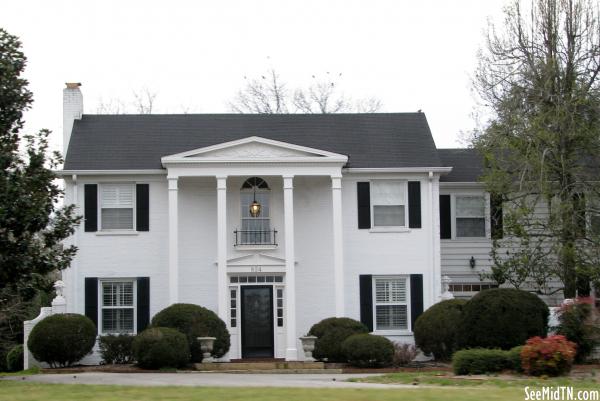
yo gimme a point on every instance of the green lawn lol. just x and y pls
(590, 381)
(20, 391)
(432, 386)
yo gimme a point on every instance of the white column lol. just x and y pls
(173, 242)
(291, 352)
(222, 247)
(338, 247)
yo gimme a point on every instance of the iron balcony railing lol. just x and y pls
(255, 237)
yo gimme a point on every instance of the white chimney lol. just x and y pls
(72, 110)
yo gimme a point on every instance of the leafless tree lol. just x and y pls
(269, 95)
(111, 106)
(264, 95)
(144, 100)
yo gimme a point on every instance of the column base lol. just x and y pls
(291, 354)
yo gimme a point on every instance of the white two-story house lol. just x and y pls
(273, 221)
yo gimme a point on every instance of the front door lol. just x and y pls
(257, 321)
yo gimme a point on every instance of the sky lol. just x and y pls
(412, 55)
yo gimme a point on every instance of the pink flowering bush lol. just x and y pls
(551, 356)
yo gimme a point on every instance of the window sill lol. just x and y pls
(392, 332)
(466, 239)
(265, 247)
(390, 230)
(116, 233)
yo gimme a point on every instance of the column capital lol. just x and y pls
(173, 181)
(221, 182)
(288, 182)
(336, 182)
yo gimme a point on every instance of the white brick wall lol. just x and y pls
(146, 253)
(72, 109)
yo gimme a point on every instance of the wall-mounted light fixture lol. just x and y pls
(472, 262)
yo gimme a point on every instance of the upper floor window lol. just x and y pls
(388, 203)
(470, 216)
(256, 230)
(116, 206)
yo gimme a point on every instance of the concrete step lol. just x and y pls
(260, 366)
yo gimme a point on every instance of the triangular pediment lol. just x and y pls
(254, 149)
(256, 259)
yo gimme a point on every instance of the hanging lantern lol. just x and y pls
(255, 206)
(255, 209)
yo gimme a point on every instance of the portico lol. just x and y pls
(280, 163)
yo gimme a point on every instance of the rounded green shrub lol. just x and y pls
(330, 333)
(436, 329)
(195, 321)
(479, 361)
(62, 340)
(161, 347)
(368, 351)
(14, 359)
(502, 318)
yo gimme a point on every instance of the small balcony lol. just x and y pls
(258, 238)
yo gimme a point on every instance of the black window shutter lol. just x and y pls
(91, 299)
(445, 217)
(496, 216)
(363, 190)
(366, 300)
(90, 200)
(143, 303)
(414, 204)
(142, 207)
(416, 298)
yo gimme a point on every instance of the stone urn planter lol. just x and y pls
(206, 346)
(308, 346)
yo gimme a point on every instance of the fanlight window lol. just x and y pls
(255, 212)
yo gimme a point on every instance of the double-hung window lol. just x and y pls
(255, 230)
(117, 206)
(391, 303)
(470, 216)
(117, 306)
(388, 203)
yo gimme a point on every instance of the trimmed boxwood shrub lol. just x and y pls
(116, 349)
(330, 333)
(514, 356)
(479, 361)
(62, 340)
(161, 347)
(436, 329)
(14, 359)
(502, 318)
(368, 351)
(195, 321)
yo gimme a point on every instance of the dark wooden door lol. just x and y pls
(257, 321)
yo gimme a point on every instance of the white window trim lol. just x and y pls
(108, 231)
(392, 229)
(250, 247)
(101, 306)
(487, 217)
(398, 332)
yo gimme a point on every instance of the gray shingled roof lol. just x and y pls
(115, 142)
(467, 165)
